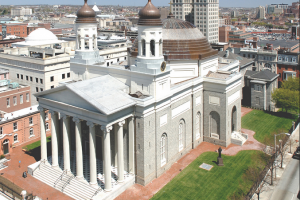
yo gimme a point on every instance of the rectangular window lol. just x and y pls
(26, 78)
(1, 130)
(31, 78)
(52, 86)
(15, 126)
(68, 75)
(52, 78)
(16, 138)
(18, 76)
(41, 81)
(27, 97)
(37, 89)
(8, 102)
(47, 126)
(15, 100)
(30, 121)
(41, 89)
(36, 80)
(21, 98)
(63, 76)
(22, 76)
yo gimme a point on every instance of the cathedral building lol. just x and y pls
(113, 126)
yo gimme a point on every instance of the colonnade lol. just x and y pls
(106, 130)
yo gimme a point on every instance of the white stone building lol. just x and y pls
(36, 63)
(113, 126)
(21, 11)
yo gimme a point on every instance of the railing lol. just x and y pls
(67, 182)
(97, 191)
(60, 177)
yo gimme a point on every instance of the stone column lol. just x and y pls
(54, 138)
(79, 160)
(66, 142)
(120, 152)
(82, 44)
(90, 43)
(157, 49)
(107, 158)
(43, 134)
(93, 162)
(131, 145)
(95, 43)
(140, 48)
(147, 49)
(116, 145)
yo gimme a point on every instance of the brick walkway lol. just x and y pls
(245, 111)
(30, 184)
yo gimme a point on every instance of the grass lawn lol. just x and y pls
(36, 144)
(264, 123)
(218, 183)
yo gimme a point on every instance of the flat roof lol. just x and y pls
(277, 43)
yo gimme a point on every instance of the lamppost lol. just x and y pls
(276, 149)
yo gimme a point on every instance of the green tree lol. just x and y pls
(287, 97)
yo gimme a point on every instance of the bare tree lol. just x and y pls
(281, 152)
(291, 142)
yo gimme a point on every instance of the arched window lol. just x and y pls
(143, 48)
(163, 157)
(6, 146)
(180, 136)
(31, 132)
(198, 125)
(160, 47)
(152, 47)
(214, 125)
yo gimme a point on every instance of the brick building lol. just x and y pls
(18, 29)
(288, 65)
(13, 96)
(21, 126)
(33, 27)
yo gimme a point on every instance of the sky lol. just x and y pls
(223, 3)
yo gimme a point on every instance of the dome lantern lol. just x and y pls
(86, 14)
(149, 15)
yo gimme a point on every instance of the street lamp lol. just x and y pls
(275, 147)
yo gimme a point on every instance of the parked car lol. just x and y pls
(57, 46)
(296, 154)
(36, 55)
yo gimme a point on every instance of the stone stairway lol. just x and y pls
(3, 163)
(66, 183)
(238, 138)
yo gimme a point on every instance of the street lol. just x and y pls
(288, 186)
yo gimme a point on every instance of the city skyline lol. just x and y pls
(223, 3)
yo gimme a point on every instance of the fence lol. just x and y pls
(264, 172)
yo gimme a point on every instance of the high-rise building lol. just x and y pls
(260, 12)
(21, 11)
(204, 14)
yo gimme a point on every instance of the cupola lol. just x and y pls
(86, 14)
(149, 15)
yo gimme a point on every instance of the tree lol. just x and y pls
(287, 97)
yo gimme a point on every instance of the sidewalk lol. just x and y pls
(270, 190)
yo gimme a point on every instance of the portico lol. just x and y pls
(88, 133)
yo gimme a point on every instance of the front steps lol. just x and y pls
(238, 138)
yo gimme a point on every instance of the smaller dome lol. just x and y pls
(40, 34)
(86, 14)
(149, 15)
